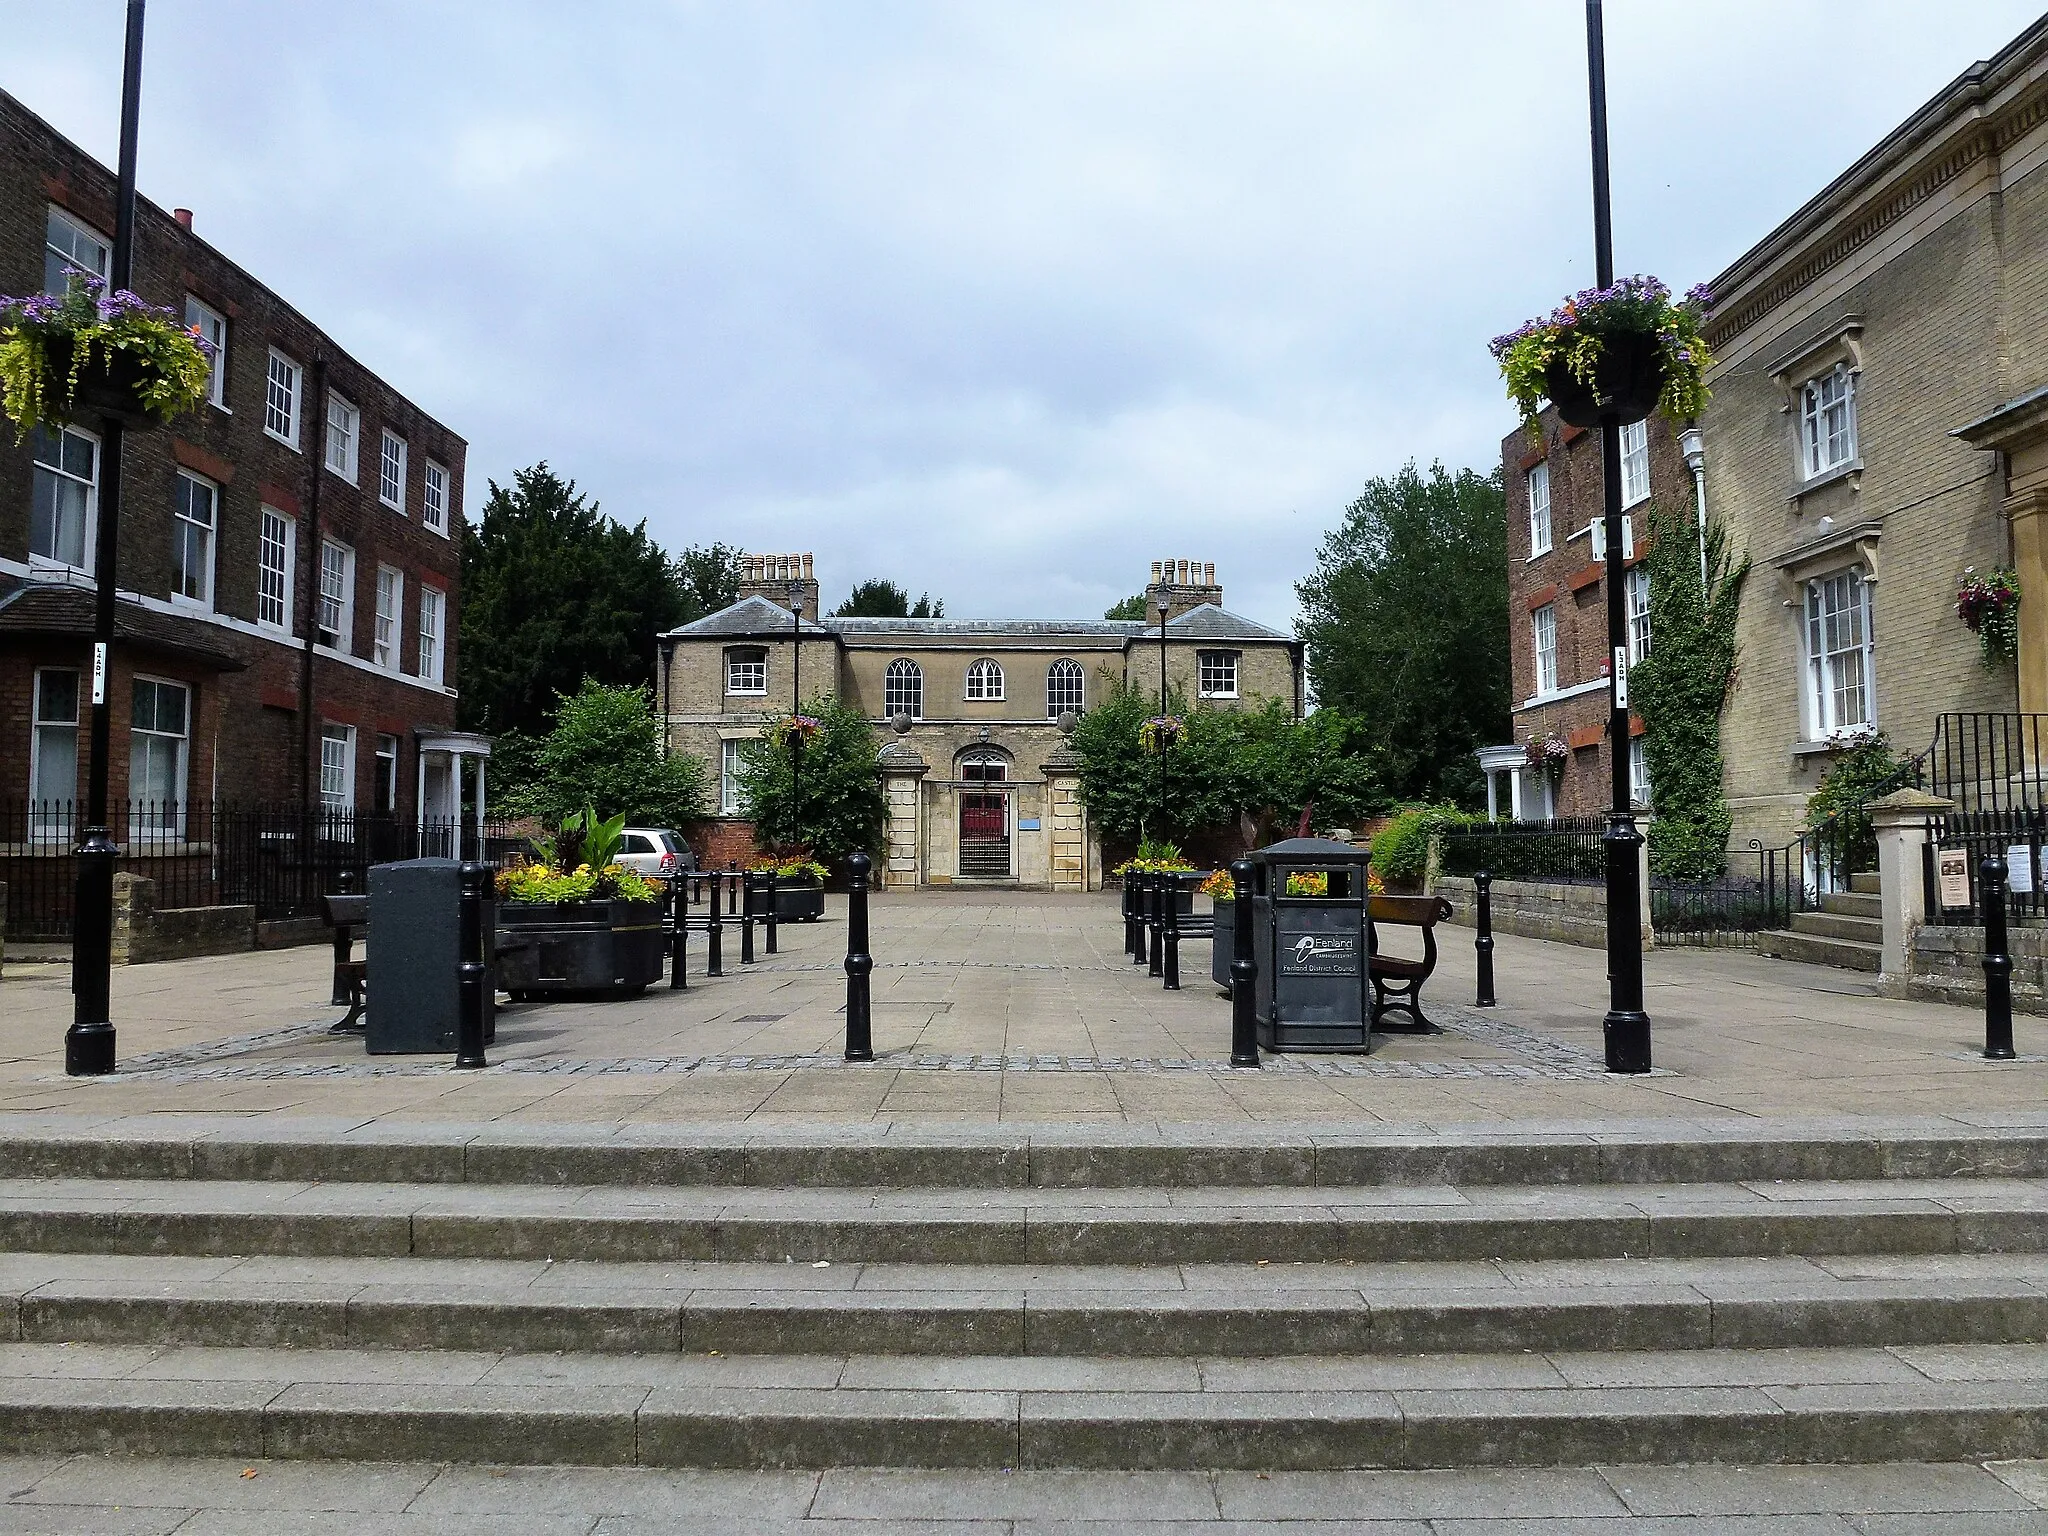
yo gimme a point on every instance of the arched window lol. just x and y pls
(1064, 689)
(903, 689)
(984, 680)
(985, 766)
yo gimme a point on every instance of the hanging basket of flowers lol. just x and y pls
(1160, 732)
(1611, 356)
(801, 729)
(88, 354)
(1547, 750)
(1989, 606)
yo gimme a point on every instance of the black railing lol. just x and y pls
(2015, 834)
(1567, 851)
(277, 858)
(1987, 763)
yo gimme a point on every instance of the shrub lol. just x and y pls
(605, 749)
(1401, 850)
(836, 807)
(1836, 811)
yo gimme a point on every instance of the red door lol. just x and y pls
(981, 818)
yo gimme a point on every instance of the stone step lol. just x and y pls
(1856, 903)
(1476, 1411)
(1831, 925)
(995, 1310)
(1866, 884)
(1024, 1226)
(231, 1148)
(1844, 954)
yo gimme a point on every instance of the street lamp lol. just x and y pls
(796, 707)
(1627, 1026)
(89, 1043)
(1165, 740)
(1693, 444)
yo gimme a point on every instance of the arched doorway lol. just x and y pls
(984, 816)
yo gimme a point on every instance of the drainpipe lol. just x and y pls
(315, 454)
(1693, 445)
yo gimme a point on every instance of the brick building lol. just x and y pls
(287, 554)
(1557, 610)
(981, 786)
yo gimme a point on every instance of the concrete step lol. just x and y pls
(1023, 1226)
(1060, 1311)
(220, 1148)
(1831, 925)
(1475, 1411)
(1865, 884)
(1844, 954)
(1853, 903)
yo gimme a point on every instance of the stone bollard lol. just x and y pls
(344, 942)
(860, 1043)
(1483, 883)
(1997, 963)
(1244, 970)
(1170, 913)
(679, 939)
(472, 971)
(748, 885)
(769, 918)
(714, 933)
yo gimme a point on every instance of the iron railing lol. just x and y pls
(1566, 851)
(280, 859)
(2015, 833)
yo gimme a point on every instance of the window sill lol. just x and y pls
(1538, 555)
(1626, 504)
(223, 409)
(1821, 748)
(1851, 472)
(441, 532)
(347, 480)
(279, 437)
(391, 506)
(1215, 695)
(191, 604)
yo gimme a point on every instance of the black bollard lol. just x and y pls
(732, 871)
(1155, 891)
(1244, 970)
(748, 886)
(1997, 963)
(1484, 943)
(679, 940)
(714, 933)
(470, 1000)
(768, 917)
(344, 941)
(1133, 929)
(1171, 916)
(860, 1044)
(1141, 897)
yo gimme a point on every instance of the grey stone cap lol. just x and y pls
(759, 617)
(902, 757)
(750, 617)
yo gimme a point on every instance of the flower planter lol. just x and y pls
(109, 386)
(611, 947)
(1224, 948)
(1627, 383)
(796, 901)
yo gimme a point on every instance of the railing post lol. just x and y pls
(860, 1044)
(1170, 915)
(1997, 963)
(1244, 969)
(470, 1000)
(1155, 886)
(1483, 882)
(768, 917)
(747, 888)
(714, 934)
(344, 941)
(679, 940)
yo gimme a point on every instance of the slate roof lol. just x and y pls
(758, 616)
(750, 616)
(50, 608)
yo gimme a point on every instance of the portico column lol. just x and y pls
(419, 804)
(2028, 513)
(1066, 820)
(480, 762)
(1903, 823)
(901, 768)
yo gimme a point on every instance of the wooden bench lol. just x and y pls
(345, 913)
(1396, 980)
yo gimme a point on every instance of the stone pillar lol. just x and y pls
(1066, 820)
(2028, 512)
(134, 903)
(1903, 822)
(901, 769)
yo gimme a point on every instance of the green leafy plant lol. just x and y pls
(1580, 330)
(1400, 850)
(588, 839)
(825, 797)
(578, 865)
(605, 749)
(1836, 811)
(48, 342)
(792, 869)
(1989, 605)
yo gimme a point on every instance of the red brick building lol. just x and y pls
(1557, 764)
(287, 556)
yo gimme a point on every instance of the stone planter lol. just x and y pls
(608, 947)
(1627, 383)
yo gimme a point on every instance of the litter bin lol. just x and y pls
(414, 957)
(1313, 950)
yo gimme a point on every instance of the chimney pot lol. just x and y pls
(183, 216)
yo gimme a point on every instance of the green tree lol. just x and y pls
(1679, 690)
(709, 575)
(1325, 766)
(880, 598)
(1132, 607)
(1406, 619)
(835, 805)
(554, 592)
(605, 751)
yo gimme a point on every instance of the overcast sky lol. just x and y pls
(1002, 301)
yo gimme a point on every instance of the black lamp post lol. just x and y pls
(1165, 740)
(796, 707)
(1627, 1026)
(89, 1043)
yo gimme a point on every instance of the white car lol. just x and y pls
(655, 852)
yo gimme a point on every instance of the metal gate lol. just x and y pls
(984, 818)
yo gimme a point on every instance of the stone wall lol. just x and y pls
(142, 933)
(1948, 967)
(1564, 914)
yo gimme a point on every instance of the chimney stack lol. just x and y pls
(773, 577)
(1182, 585)
(183, 216)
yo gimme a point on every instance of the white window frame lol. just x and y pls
(1216, 674)
(80, 231)
(89, 543)
(174, 822)
(746, 671)
(213, 325)
(274, 580)
(1638, 771)
(434, 498)
(344, 436)
(342, 607)
(1539, 510)
(47, 820)
(1543, 638)
(1060, 698)
(729, 751)
(337, 766)
(1825, 658)
(186, 530)
(433, 632)
(1635, 463)
(391, 471)
(388, 631)
(1827, 445)
(284, 385)
(903, 689)
(985, 681)
(390, 804)
(1637, 590)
